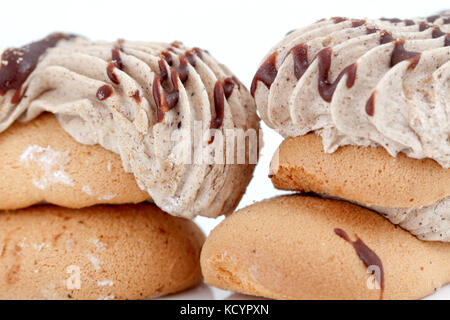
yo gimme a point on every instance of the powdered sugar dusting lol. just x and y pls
(52, 164)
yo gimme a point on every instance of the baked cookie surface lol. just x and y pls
(366, 175)
(43, 163)
(101, 252)
(292, 247)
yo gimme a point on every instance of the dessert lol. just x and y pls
(375, 93)
(100, 252)
(142, 101)
(90, 134)
(303, 247)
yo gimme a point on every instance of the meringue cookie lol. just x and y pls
(143, 101)
(322, 78)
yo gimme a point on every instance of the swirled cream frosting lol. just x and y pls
(164, 108)
(362, 82)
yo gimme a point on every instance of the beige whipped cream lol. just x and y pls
(145, 102)
(362, 82)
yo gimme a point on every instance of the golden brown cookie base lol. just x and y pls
(286, 248)
(40, 162)
(120, 252)
(366, 175)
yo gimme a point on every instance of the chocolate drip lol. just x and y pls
(338, 19)
(370, 105)
(433, 18)
(326, 89)
(367, 256)
(437, 32)
(219, 106)
(116, 58)
(391, 20)
(386, 37)
(136, 96)
(400, 54)
(228, 86)
(165, 92)
(300, 56)
(358, 23)
(17, 64)
(104, 92)
(266, 73)
(423, 26)
(110, 72)
(370, 30)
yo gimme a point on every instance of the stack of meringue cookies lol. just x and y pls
(98, 185)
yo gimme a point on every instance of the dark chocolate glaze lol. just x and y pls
(136, 96)
(266, 73)
(392, 20)
(165, 90)
(367, 256)
(386, 37)
(18, 63)
(104, 92)
(110, 72)
(423, 26)
(358, 23)
(433, 18)
(370, 30)
(300, 56)
(437, 32)
(370, 105)
(116, 59)
(338, 19)
(228, 86)
(326, 88)
(219, 106)
(400, 54)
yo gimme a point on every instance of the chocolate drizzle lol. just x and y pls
(367, 256)
(400, 54)
(433, 18)
(392, 20)
(219, 106)
(437, 32)
(18, 63)
(338, 19)
(110, 72)
(326, 89)
(370, 105)
(104, 92)
(228, 86)
(300, 56)
(386, 37)
(423, 26)
(358, 23)
(409, 22)
(266, 73)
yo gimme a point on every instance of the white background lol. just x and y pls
(237, 33)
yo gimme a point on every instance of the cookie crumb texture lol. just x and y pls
(101, 252)
(287, 248)
(40, 162)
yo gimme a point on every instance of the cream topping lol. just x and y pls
(362, 82)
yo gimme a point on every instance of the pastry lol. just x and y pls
(363, 105)
(168, 111)
(100, 252)
(304, 247)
